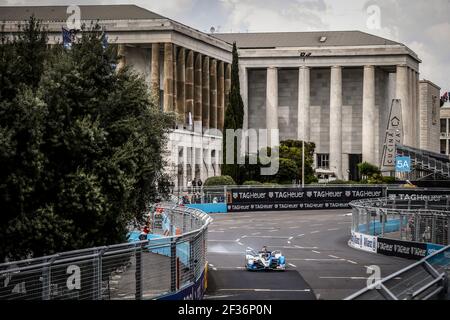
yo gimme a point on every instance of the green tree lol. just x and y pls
(234, 118)
(369, 171)
(81, 147)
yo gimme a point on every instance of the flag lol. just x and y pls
(104, 40)
(67, 38)
(445, 97)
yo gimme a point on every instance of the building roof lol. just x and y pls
(88, 12)
(303, 39)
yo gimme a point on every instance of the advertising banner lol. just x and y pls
(364, 242)
(402, 249)
(277, 199)
(433, 196)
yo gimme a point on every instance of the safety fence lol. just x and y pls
(394, 226)
(423, 280)
(159, 267)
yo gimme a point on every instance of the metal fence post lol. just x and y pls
(448, 230)
(192, 258)
(46, 283)
(173, 265)
(138, 274)
(98, 274)
(433, 228)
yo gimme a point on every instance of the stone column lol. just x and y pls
(369, 116)
(121, 53)
(336, 121)
(303, 130)
(175, 82)
(190, 88)
(168, 77)
(154, 76)
(220, 95)
(198, 93)
(401, 92)
(227, 84)
(181, 81)
(213, 94)
(272, 103)
(205, 93)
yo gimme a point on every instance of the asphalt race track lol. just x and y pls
(320, 264)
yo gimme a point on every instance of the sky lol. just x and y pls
(424, 26)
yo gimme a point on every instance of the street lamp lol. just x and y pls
(304, 55)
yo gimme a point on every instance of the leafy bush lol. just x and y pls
(367, 169)
(389, 180)
(252, 183)
(220, 181)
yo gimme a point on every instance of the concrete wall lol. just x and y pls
(320, 109)
(257, 98)
(352, 90)
(429, 106)
(140, 59)
(288, 103)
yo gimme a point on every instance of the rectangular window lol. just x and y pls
(443, 125)
(323, 161)
(444, 146)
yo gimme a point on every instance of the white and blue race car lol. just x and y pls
(264, 260)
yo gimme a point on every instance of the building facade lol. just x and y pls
(332, 88)
(429, 116)
(445, 129)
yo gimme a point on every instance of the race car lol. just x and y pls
(264, 260)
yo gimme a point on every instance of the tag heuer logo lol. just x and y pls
(309, 194)
(326, 205)
(252, 206)
(270, 194)
(348, 193)
(235, 195)
(276, 206)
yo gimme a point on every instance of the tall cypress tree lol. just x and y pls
(234, 117)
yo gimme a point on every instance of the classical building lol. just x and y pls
(332, 88)
(445, 129)
(188, 72)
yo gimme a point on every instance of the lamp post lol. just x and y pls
(304, 55)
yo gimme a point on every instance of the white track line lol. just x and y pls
(301, 235)
(310, 259)
(290, 238)
(351, 278)
(331, 256)
(268, 237)
(267, 290)
(292, 265)
(315, 251)
(352, 261)
(333, 229)
(240, 243)
(314, 231)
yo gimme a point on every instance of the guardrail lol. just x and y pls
(420, 219)
(422, 280)
(158, 268)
